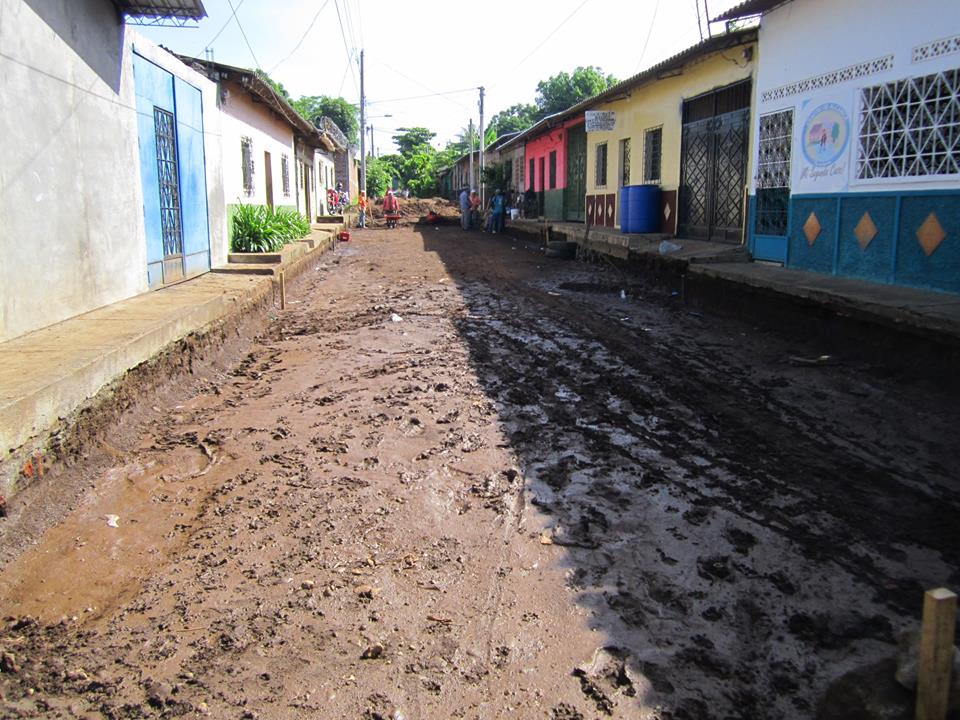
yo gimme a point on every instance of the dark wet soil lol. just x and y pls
(457, 479)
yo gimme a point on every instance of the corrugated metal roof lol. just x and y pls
(712, 44)
(252, 83)
(191, 9)
(749, 8)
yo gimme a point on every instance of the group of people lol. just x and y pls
(470, 213)
(391, 206)
(337, 199)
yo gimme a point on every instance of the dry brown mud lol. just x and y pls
(455, 479)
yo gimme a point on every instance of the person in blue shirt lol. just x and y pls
(499, 211)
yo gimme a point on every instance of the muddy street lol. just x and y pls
(455, 479)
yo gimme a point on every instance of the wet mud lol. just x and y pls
(458, 479)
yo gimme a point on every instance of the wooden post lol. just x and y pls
(936, 654)
(283, 292)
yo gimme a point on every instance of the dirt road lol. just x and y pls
(458, 480)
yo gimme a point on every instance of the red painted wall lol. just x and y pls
(541, 147)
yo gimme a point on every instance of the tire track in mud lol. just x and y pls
(800, 517)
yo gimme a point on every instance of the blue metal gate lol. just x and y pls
(173, 174)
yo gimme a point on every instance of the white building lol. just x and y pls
(856, 141)
(107, 187)
(269, 150)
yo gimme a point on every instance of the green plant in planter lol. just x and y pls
(258, 228)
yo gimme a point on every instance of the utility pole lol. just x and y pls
(483, 200)
(363, 135)
(706, 15)
(470, 133)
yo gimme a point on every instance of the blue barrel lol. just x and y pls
(641, 208)
(625, 223)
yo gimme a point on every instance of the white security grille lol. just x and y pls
(773, 173)
(246, 162)
(776, 140)
(910, 128)
(285, 174)
(835, 77)
(935, 49)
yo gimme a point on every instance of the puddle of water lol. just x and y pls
(83, 565)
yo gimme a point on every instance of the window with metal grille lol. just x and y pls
(773, 172)
(910, 128)
(169, 182)
(246, 160)
(285, 174)
(625, 162)
(601, 174)
(652, 153)
(553, 169)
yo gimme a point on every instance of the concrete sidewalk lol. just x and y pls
(931, 314)
(48, 374)
(925, 313)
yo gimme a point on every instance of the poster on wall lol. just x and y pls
(600, 120)
(825, 143)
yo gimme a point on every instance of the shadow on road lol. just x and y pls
(742, 530)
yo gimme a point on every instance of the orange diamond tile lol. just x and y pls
(865, 231)
(931, 234)
(811, 228)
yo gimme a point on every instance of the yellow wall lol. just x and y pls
(659, 103)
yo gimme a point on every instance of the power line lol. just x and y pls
(421, 97)
(417, 82)
(244, 33)
(552, 33)
(649, 33)
(360, 17)
(346, 46)
(302, 37)
(222, 28)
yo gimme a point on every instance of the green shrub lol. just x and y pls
(258, 228)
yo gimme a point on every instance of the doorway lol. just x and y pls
(713, 163)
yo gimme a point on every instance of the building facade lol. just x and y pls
(684, 126)
(857, 145)
(85, 224)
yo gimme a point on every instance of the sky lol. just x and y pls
(424, 60)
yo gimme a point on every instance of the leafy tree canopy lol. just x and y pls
(563, 90)
(413, 140)
(343, 113)
(514, 119)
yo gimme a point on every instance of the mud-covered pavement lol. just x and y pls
(457, 480)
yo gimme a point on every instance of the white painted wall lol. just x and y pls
(809, 38)
(72, 236)
(241, 117)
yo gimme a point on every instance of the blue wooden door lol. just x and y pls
(173, 174)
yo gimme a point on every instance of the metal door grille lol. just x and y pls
(169, 182)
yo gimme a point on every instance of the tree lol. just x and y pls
(514, 119)
(379, 177)
(413, 140)
(277, 86)
(563, 90)
(344, 114)
(499, 176)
